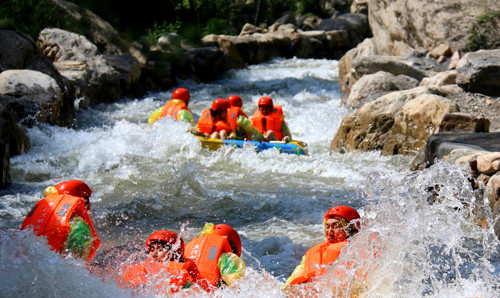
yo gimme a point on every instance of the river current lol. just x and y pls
(150, 177)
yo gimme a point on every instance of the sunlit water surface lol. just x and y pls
(149, 177)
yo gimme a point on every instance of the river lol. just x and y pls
(150, 177)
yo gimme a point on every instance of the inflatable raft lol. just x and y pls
(292, 147)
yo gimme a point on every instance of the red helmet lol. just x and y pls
(75, 188)
(343, 211)
(235, 101)
(220, 104)
(182, 94)
(265, 101)
(232, 236)
(166, 236)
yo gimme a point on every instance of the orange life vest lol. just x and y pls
(232, 115)
(172, 109)
(161, 275)
(206, 251)
(51, 216)
(274, 122)
(206, 123)
(316, 260)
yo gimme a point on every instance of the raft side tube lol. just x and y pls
(292, 147)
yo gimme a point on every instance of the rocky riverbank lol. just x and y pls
(416, 88)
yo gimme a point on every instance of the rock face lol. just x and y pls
(396, 123)
(41, 91)
(347, 75)
(95, 76)
(372, 86)
(480, 72)
(464, 121)
(425, 27)
(326, 38)
(440, 79)
(20, 52)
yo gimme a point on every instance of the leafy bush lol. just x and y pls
(153, 33)
(484, 33)
(216, 26)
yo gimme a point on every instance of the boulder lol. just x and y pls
(249, 29)
(424, 27)
(441, 50)
(309, 23)
(480, 72)
(479, 143)
(170, 41)
(454, 60)
(228, 47)
(474, 103)
(440, 79)
(19, 51)
(493, 190)
(40, 89)
(464, 121)
(250, 49)
(207, 62)
(356, 25)
(372, 86)
(488, 163)
(80, 61)
(415, 121)
(396, 123)
(347, 75)
(359, 6)
(391, 64)
(129, 71)
(309, 44)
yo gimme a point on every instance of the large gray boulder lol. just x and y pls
(80, 61)
(391, 64)
(19, 51)
(347, 74)
(40, 91)
(356, 25)
(372, 86)
(396, 123)
(480, 72)
(425, 25)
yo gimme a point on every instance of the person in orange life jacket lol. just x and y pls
(269, 120)
(236, 117)
(340, 223)
(62, 216)
(213, 122)
(166, 269)
(176, 108)
(217, 252)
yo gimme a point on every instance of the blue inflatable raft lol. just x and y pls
(292, 147)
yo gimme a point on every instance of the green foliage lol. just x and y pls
(32, 16)
(153, 33)
(484, 32)
(216, 26)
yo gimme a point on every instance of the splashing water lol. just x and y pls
(418, 236)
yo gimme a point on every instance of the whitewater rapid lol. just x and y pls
(150, 177)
